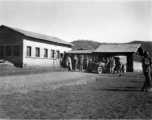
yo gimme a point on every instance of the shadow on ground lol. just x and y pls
(123, 89)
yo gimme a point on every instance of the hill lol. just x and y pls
(86, 44)
(146, 45)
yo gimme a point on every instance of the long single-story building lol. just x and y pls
(24, 48)
(133, 52)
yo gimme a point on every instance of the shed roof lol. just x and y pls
(106, 48)
(39, 36)
(80, 52)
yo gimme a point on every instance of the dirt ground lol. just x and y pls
(10, 70)
(77, 95)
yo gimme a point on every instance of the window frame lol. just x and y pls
(8, 50)
(45, 53)
(16, 50)
(28, 53)
(37, 52)
(1, 50)
(52, 53)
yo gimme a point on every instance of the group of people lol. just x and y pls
(147, 70)
(76, 62)
(112, 66)
(79, 62)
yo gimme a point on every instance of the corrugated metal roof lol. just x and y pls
(39, 36)
(80, 51)
(117, 48)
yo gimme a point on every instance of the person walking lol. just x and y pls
(146, 64)
(112, 65)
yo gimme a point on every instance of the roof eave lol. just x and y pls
(137, 48)
(35, 37)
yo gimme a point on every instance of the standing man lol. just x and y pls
(74, 63)
(104, 61)
(81, 64)
(146, 64)
(107, 64)
(119, 66)
(112, 65)
(86, 62)
(69, 63)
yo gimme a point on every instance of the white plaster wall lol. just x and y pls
(41, 61)
(137, 66)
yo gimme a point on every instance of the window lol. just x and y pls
(37, 52)
(45, 53)
(1, 50)
(8, 50)
(58, 54)
(16, 50)
(28, 52)
(52, 53)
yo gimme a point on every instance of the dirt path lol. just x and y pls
(78, 95)
(26, 83)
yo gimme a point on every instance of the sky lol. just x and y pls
(111, 21)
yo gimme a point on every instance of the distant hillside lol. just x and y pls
(146, 45)
(91, 45)
(87, 44)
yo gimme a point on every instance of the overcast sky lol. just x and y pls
(103, 21)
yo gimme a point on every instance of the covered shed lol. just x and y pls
(133, 52)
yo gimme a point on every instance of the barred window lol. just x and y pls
(45, 53)
(37, 52)
(1, 50)
(52, 53)
(8, 50)
(28, 52)
(16, 51)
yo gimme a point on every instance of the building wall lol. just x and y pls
(137, 66)
(10, 38)
(41, 61)
(137, 63)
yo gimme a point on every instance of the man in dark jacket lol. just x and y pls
(146, 64)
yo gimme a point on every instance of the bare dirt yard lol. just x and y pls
(78, 95)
